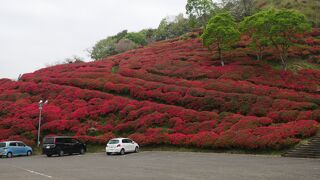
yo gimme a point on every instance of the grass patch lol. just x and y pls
(294, 65)
(95, 148)
(114, 69)
(37, 150)
(90, 149)
(101, 149)
(203, 150)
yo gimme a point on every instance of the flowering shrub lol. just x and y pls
(170, 93)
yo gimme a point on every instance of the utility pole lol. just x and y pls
(41, 104)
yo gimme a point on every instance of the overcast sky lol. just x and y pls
(34, 33)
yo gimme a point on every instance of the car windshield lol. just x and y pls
(113, 142)
(48, 141)
(2, 145)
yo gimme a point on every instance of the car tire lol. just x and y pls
(122, 152)
(108, 153)
(136, 150)
(29, 153)
(9, 155)
(49, 155)
(82, 151)
(61, 153)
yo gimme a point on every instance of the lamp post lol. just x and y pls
(41, 104)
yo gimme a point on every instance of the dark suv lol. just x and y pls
(62, 145)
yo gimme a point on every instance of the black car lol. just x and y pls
(62, 145)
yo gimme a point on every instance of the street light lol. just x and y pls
(41, 104)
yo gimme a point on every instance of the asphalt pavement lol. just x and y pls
(159, 165)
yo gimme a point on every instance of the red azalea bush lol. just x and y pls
(170, 93)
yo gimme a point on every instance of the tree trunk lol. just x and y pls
(284, 58)
(260, 53)
(220, 55)
(283, 61)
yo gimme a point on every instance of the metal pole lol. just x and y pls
(40, 108)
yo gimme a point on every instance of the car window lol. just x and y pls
(113, 141)
(129, 140)
(48, 141)
(13, 144)
(74, 141)
(21, 144)
(67, 140)
(60, 140)
(2, 145)
(125, 141)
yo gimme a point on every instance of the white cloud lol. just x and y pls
(38, 32)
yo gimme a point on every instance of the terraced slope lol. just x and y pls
(170, 93)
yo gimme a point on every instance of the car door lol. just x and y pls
(13, 148)
(75, 146)
(21, 148)
(130, 145)
(125, 145)
(61, 145)
(68, 148)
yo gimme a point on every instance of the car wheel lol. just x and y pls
(49, 155)
(9, 155)
(122, 152)
(61, 153)
(82, 151)
(29, 153)
(136, 150)
(108, 153)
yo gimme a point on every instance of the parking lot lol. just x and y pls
(159, 165)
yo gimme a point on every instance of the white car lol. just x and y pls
(121, 146)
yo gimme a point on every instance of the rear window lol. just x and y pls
(113, 142)
(48, 141)
(2, 145)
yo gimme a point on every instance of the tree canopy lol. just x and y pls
(200, 9)
(121, 42)
(256, 27)
(284, 25)
(222, 32)
(277, 27)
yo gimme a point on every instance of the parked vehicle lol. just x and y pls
(121, 146)
(59, 145)
(10, 149)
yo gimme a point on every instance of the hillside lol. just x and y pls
(172, 93)
(308, 7)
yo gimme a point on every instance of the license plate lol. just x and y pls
(48, 147)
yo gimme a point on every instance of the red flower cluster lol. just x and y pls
(168, 93)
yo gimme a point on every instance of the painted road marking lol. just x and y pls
(34, 172)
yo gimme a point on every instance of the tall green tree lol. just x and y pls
(172, 27)
(121, 42)
(221, 31)
(137, 37)
(284, 24)
(200, 9)
(275, 27)
(257, 27)
(103, 48)
(238, 8)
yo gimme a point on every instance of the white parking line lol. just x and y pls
(34, 172)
